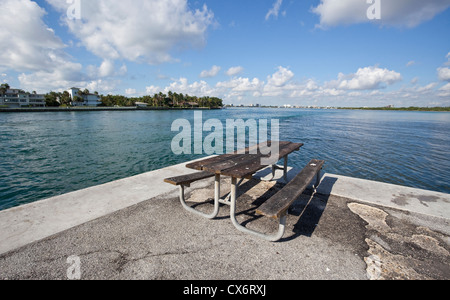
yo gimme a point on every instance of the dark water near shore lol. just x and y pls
(49, 154)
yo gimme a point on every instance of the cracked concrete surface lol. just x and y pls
(402, 252)
(327, 237)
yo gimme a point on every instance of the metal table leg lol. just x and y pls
(271, 238)
(216, 201)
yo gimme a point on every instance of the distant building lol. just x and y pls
(191, 104)
(16, 98)
(141, 104)
(81, 99)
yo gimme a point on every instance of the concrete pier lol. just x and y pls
(135, 228)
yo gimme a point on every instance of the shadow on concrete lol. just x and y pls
(310, 208)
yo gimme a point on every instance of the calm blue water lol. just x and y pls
(49, 154)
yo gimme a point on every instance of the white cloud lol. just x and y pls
(154, 30)
(448, 57)
(198, 88)
(281, 77)
(369, 78)
(444, 91)
(130, 92)
(275, 10)
(277, 83)
(363, 88)
(402, 13)
(444, 74)
(27, 44)
(241, 85)
(233, 71)
(106, 69)
(151, 90)
(31, 48)
(429, 87)
(210, 73)
(410, 63)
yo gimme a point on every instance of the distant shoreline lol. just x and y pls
(84, 109)
(133, 108)
(437, 109)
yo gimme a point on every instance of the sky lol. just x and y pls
(350, 53)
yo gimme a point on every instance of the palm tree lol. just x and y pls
(3, 88)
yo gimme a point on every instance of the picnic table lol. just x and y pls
(243, 165)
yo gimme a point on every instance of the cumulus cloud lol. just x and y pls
(27, 43)
(277, 83)
(444, 91)
(151, 90)
(241, 84)
(210, 73)
(402, 13)
(233, 71)
(154, 30)
(369, 78)
(31, 48)
(275, 10)
(444, 74)
(281, 77)
(130, 92)
(364, 87)
(182, 85)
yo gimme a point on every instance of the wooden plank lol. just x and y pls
(288, 149)
(219, 163)
(279, 204)
(199, 165)
(245, 170)
(250, 167)
(234, 161)
(188, 179)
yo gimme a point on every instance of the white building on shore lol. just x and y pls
(16, 98)
(81, 99)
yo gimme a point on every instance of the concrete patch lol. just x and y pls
(408, 251)
(374, 216)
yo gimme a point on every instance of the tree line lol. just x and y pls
(56, 99)
(157, 100)
(411, 108)
(162, 100)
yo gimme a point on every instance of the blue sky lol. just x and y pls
(272, 52)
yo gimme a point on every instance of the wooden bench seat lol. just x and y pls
(278, 205)
(186, 180)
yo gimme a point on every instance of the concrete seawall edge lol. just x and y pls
(33, 222)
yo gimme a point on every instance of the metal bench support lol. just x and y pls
(216, 201)
(270, 238)
(284, 168)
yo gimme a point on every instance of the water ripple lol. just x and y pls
(48, 154)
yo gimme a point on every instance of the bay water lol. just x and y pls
(47, 154)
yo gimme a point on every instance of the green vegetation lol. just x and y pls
(3, 88)
(163, 100)
(160, 100)
(54, 99)
(412, 108)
